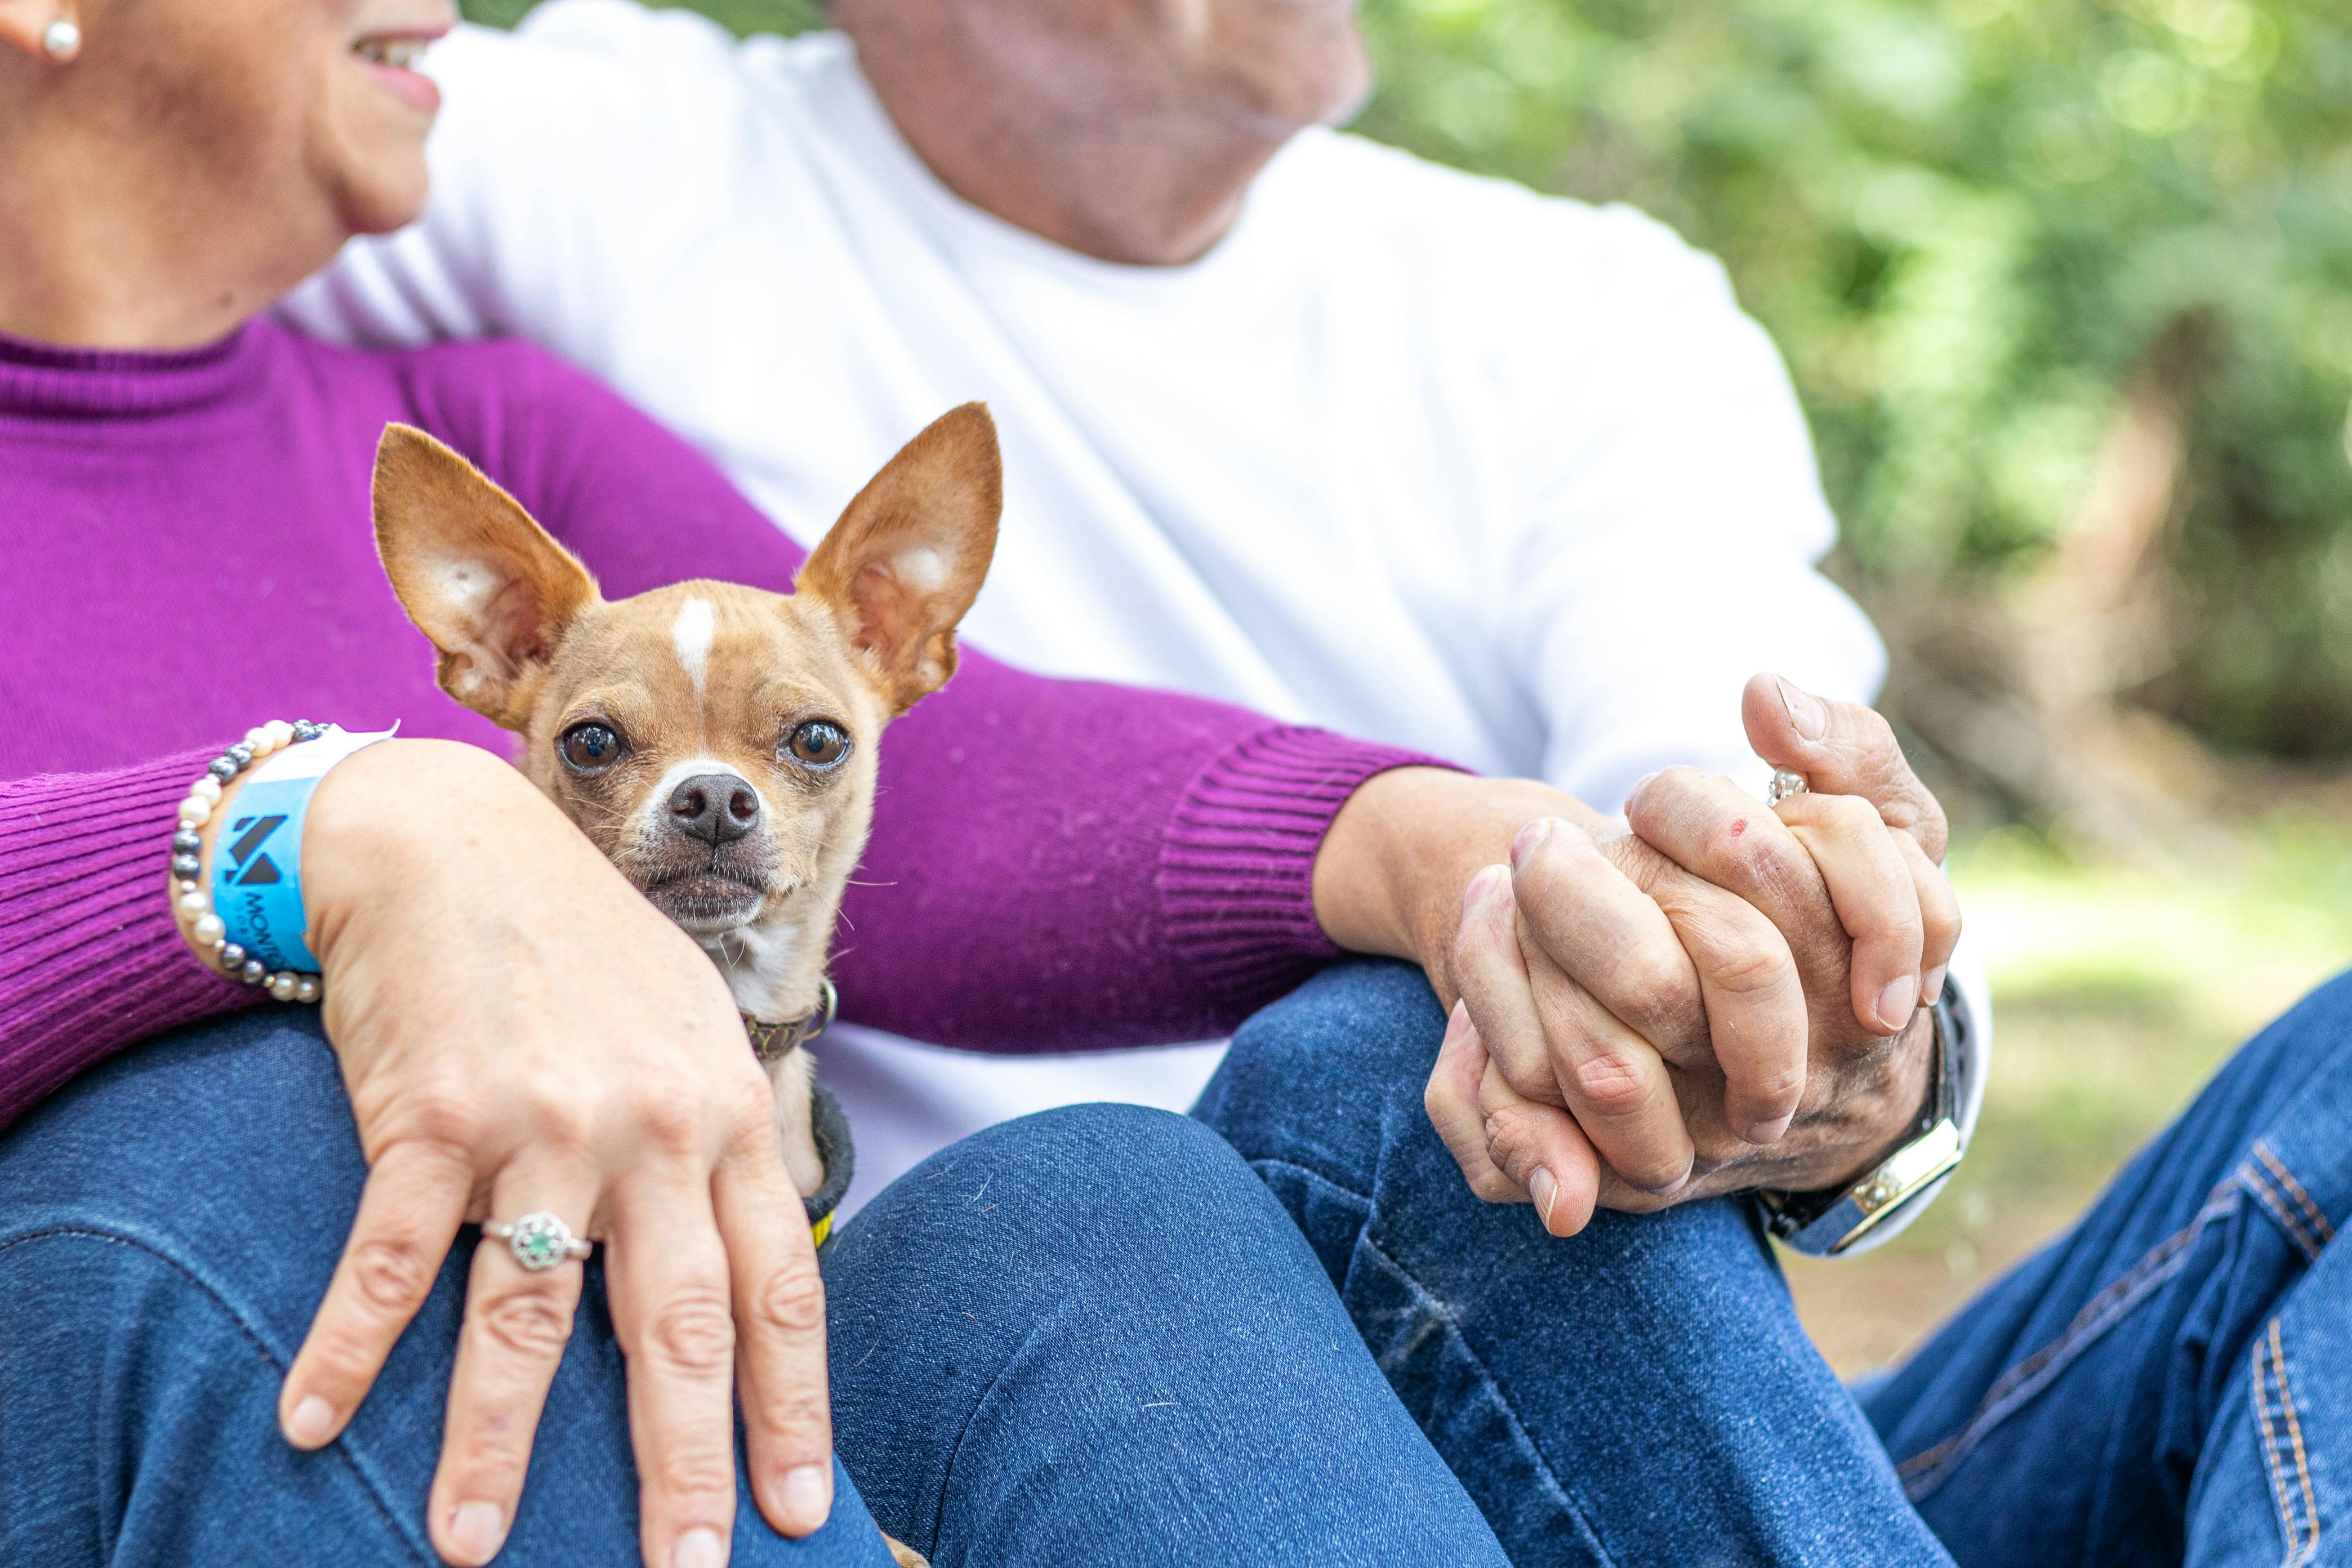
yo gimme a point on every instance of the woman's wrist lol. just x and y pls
(1391, 874)
(384, 818)
(217, 935)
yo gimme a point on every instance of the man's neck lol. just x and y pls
(1119, 172)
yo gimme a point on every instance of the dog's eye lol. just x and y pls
(819, 743)
(591, 747)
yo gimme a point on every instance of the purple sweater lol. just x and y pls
(1055, 864)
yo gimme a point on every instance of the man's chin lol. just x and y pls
(707, 905)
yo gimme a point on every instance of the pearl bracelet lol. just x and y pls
(191, 906)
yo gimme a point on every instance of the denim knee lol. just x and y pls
(1329, 1079)
(227, 1148)
(1099, 1177)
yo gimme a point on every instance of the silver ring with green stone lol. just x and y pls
(538, 1240)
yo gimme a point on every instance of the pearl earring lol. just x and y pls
(61, 40)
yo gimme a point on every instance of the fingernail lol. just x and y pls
(701, 1547)
(1769, 1131)
(807, 1497)
(1545, 1193)
(1457, 1024)
(1806, 714)
(1897, 1001)
(477, 1529)
(1639, 785)
(1533, 834)
(312, 1419)
(1931, 985)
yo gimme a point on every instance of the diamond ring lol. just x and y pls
(538, 1240)
(1784, 785)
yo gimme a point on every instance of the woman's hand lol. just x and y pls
(520, 1030)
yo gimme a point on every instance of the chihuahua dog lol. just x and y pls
(717, 742)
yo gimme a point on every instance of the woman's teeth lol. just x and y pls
(402, 53)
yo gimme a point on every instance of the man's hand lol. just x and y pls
(1851, 881)
(1703, 1043)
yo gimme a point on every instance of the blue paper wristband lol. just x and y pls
(257, 873)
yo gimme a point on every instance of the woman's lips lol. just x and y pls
(390, 58)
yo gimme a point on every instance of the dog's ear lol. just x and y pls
(907, 559)
(475, 573)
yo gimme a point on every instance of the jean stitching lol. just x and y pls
(2287, 1524)
(1924, 1471)
(1445, 1314)
(2268, 1156)
(344, 1446)
(2310, 1549)
(2273, 1202)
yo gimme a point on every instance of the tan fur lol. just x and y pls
(525, 639)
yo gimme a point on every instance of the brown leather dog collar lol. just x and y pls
(772, 1043)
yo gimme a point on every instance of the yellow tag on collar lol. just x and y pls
(820, 1230)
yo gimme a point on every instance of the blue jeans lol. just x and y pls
(2166, 1384)
(2171, 1382)
(1090, 1336)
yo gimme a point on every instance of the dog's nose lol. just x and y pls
(717, 808)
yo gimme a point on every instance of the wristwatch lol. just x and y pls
(1825, 1223)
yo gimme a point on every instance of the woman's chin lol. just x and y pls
(383, 192)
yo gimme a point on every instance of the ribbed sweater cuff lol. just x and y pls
(89, 960)
(1237, 867)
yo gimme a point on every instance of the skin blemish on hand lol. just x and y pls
(1738, 827)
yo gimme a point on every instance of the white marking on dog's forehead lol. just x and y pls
(690, 634)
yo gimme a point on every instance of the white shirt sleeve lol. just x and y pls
(1671, 547)
(1673, 527)
(563, 153)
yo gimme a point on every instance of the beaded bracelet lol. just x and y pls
(191, 906)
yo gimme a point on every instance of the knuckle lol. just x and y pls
(1529, 1079)
(1778, 1089)
(1609, 1086)
(791, 1301)
(449, 1114)
(1750, 969)
(692, 1472)
(392, 1273)
(671, 1119)
(1514, 1143)
(693, 1331)
(749, 1112)
(1852, 815)
(490, 1447)
(1874, 736)
(562, 1123)
(796, 1418)
(1650, 991)
(526, 1322)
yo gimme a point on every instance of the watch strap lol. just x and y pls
(1824, 1224)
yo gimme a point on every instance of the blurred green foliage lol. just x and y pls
(1970, 224)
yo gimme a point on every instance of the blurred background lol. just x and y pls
(2066, 287)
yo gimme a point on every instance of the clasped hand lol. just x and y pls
(1727, 996)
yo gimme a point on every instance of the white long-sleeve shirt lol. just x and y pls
(1422, 457)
